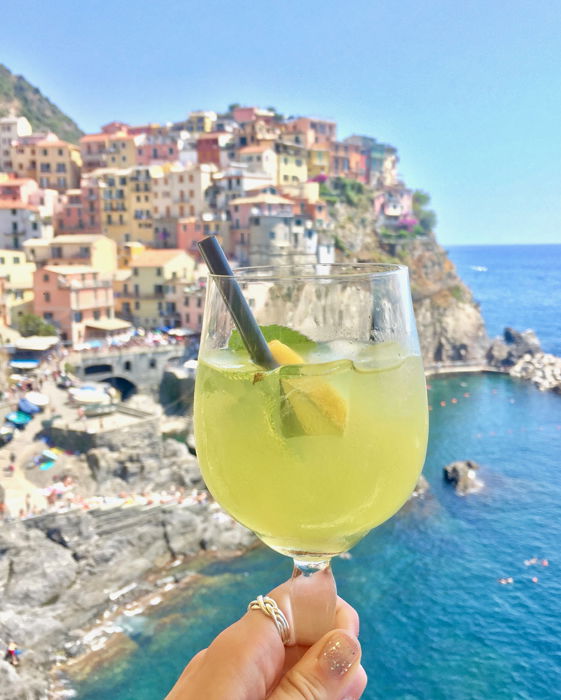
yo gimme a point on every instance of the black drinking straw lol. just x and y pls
(251, 334)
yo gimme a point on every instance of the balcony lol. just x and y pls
(76, 285)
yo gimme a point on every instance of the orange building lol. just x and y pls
(53, 163)
(76, 299)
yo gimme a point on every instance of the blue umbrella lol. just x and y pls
(28, 407)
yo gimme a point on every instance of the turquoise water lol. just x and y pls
(435, 621)
(517, 285)
(436, 624)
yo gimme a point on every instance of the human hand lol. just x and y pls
(248, 661)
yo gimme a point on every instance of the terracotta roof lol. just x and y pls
(155, 257)
(94, 137)
(255, 149)
(17, 205)
(45, 143)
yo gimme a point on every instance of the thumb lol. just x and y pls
(329, 670)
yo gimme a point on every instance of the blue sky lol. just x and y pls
(469, 92)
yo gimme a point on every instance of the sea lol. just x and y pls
(436, 623)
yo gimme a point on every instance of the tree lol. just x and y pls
(29, 324)
(425, 216)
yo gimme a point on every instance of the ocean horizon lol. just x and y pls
(436, 623)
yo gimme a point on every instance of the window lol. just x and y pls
(46, 296)
(16, 260)
(56, 251)
(48, 316)
(45, 278)
(18, 293)
(45, 168)
(200, 319)
(96, 315)
(136, 305)
(187, 318)
(77, 316)
(61, 167)
(271, 235)
(135, 273)
(199, 302)
(127, 365)
(84, 251)
(152, 362)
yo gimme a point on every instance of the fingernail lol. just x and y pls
(339, 654)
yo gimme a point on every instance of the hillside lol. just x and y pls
(449, 321)
(17, 94)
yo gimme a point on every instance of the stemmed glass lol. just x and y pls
(315, 432)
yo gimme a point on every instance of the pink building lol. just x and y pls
(75, 299)
(189, 231)
(156, 149)
(251, 114)
(80, 210)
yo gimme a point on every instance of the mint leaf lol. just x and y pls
(288, 336)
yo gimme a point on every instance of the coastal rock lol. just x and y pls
(543, 369)
(463, 475)
(507, 351)
(38, 569)
(421, 487)
(449, 321)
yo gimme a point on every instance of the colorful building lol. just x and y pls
(18, 222)
(292, 163)
(76, 299)
(180, 191)
(16, 278)
(80, 209)
(260, 159)
(94, 250)
(313, 131)
(211, 146)
(11, 128)
(148, 296)
(348, 160)
(200, 122)
(55, 164)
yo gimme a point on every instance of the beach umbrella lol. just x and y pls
(37, 398)
(28, 407)
(18, 418)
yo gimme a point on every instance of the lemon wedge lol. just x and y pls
(318, 408)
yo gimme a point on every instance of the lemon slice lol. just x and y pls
(317, 407)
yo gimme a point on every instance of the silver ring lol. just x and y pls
(272, 610)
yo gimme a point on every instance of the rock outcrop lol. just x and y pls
(60, 571)
(542, 369)
(463, 474)
(505, 352)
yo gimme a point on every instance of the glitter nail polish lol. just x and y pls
(339, 654)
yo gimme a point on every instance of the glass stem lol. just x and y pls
(313, 599)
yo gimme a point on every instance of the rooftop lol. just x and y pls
(70, 269)
(155, 257)
(265, 198)
(77, 238)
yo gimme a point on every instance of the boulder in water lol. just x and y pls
(463, 474)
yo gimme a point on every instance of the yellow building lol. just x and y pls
(318, 160)
(127, 203)
(292, 165)
(148, 296)
(91, 249)
(53, 163)
(200, 122)
(121, 150)
(16, 276)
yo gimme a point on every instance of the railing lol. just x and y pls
(91, 284)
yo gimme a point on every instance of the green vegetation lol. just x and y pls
(29, 324)
(19, 96)
(457, 292)
(342, 189)
(426, 217)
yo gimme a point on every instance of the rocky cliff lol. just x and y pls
(450, 324)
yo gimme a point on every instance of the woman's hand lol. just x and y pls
(248, 661)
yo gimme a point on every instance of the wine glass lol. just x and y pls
(314, 448)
